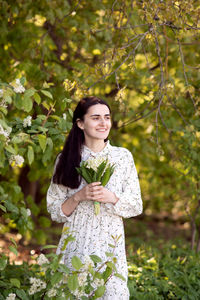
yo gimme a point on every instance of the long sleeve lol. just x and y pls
(128, 192)
(56, 196)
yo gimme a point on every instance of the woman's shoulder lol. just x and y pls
(120, 151)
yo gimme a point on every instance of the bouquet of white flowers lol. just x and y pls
(96, 170)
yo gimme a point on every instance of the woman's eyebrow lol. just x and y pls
(96, 115)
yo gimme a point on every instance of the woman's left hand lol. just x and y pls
(106, 196)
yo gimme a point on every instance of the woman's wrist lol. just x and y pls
(115, 199)
(76, 198)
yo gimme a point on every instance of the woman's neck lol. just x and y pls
(95, 146)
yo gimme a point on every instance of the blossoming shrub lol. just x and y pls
(172, 272)
(31, 130)
(50, 278)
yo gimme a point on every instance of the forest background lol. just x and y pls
(143, 58)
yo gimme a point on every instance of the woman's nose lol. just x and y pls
(102, 121)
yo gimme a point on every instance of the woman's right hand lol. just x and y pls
(92, 191)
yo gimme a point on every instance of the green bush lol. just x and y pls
(49, 278)
(170, 273)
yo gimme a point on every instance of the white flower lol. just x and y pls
(16, 160)
(28, 211)
(78, 294)
(9, 130)
(95, 162)
(27, 121)
(82, 278)
(64, 116)
(17, 86)
(1, 93)
(5, 132)
(42, 260)
(11, 296)
(98, 282)
(88, 262)
(37, 285)
(51, 293)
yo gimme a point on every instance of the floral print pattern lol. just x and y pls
(93, 233)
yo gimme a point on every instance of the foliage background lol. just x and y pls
(143, 58)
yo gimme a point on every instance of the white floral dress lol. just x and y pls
(93, 233)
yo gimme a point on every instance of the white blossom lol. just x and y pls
(78, 293)
(64, 116)
(11, 296)
(5, 132)
(28, 211)
(37, 285)
(1, 93)
(51, 293)
(16, 160)
(82, 278)
(98, 282)
(17, 86)
(27, 121)
(42, 260)
(88, 262)
(95, 162)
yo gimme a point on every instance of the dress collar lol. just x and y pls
(86, 152)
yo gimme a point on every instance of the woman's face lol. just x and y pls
(97, 122)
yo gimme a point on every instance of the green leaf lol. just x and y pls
(8, 99)
(11, 207)
(107, 273)
(99, 292)
(111, 265)
(67, 240)
(67, 100)
(22, 80)
(3, 208)
(15, 282)
(18, 101)
(30, 154)
(73, 282)
(56, 278)
(37, 98)
(70, 112)
(76, 262)
(50, 247)
(120, 276)
(10, 149)
(13, 249)
(29, 93)
(27, 103)
(46, 105)
(44, 222)
(14, 242)
(47, 93)
(3, 262)
(64, 268)
(42, 141)
(95, 258)
(22, 295)
(109, 254)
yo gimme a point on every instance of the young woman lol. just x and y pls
(71, 201)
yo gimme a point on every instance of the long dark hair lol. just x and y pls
(70, 157)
